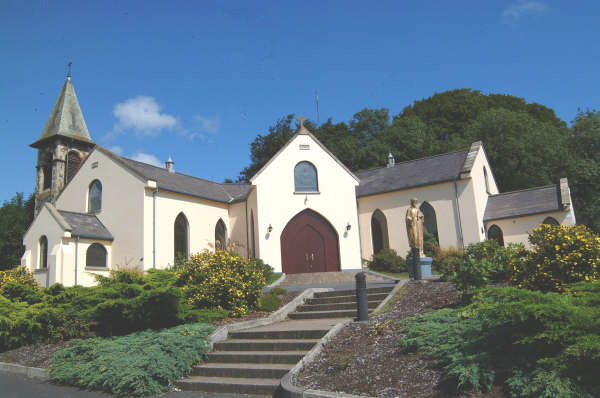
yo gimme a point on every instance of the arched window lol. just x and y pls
(220, 236)
(430, 223)
(47, 176)
(252, 237)
(43, 252)
(487, 182)
(305, 177)
(95, 256)
(181, 234)
(379, 232)
(95, 197)
(73, 163)
(550, 221)
(494, 232)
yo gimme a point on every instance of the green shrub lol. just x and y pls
(266, 269)
(17, 291)
(140, 364)
(561, 255)
(538, 344)
(445, 261)
(222, 280)
(269, 302)
(17, 275)
(387, 260)
(278, 291)
(193, 315)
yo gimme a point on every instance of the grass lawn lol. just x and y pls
(274, 276)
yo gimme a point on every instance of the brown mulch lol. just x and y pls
(37, 356)
(365, 359)
(40, 356)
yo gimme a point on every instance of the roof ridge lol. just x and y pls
(413, 160)
(165, 170)
(525, 189)
(77, 212)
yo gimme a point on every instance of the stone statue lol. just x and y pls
(414, 227)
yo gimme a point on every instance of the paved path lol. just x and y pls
(344, 280)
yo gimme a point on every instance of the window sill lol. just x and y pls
(307, 193)
(40, 270)
(97, 268)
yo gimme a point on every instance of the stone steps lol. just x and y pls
(231, 385)
(243, 370)
(345, 299)
(336, 293)
(334, 307)
(265, 345)
(291, 357)
(279, 334)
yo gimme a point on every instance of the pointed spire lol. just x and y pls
(66, 118)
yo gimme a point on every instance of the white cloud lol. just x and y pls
(143, 115)
(523, 7)
(116, 149)
(147, 158)
(209, 124)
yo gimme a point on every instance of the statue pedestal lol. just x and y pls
(422, 270)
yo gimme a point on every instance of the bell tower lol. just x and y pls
(63, 145)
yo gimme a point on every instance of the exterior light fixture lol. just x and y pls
(348, 226)
(270, 228)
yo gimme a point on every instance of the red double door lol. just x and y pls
(309, 244)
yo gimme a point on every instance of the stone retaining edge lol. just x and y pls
(223, 331)
(32, 373)
(368, 271)
(395, 290)
(276, 283)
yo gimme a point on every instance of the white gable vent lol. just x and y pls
(304, 147)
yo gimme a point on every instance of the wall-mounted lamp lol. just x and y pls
(270, 228)
(348, 226)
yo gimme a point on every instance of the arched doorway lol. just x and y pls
(379, 232)
(430, 222)
(309, 244)
(496, 234)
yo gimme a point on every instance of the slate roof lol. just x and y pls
(66, 118)
(523, 203)
(86, 225)
(412, 173)
(183, 183)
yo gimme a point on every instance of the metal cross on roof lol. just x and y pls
(301, 119)
(69, 71)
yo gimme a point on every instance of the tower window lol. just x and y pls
(47, 175)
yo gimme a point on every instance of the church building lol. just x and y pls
(304, 211)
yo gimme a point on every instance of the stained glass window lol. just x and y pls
(305, 178)
(95, 197)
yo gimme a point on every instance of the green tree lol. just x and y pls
(15, 217)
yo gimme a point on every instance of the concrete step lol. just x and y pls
(335, 293)
(291, 357)
(245, 370)
(265, 345)
(323, 314)
(235, 385)
(345, 299)
(279, 334)
(334, 307)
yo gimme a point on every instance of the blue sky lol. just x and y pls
(199, 80)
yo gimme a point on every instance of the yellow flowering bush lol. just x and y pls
(222, 280)
(561, 255)
(16, 276)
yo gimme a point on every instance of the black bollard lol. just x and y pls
(362, 305)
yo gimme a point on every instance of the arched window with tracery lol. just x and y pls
(220, 235)
(95, 256)
(181, 237)
(495, 233)
(430, 223)
(43, 250)
(95, 196)
(379, 232)
(305, 177)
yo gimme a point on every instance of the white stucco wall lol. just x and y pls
(202, 216)
(43, 224)
(277, 203)
(121, 213)
(71, 248)
(516, 230)
(238, 229)
(394, 206)
(253, 212)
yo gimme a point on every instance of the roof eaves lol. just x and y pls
(58, 217)
(533, 213)
(407, 187)
(163, 188)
